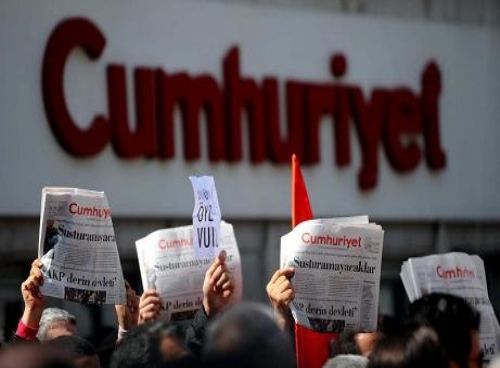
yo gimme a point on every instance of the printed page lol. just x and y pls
(462, 275)
(78, 249)
(169, 264)
(337, 274)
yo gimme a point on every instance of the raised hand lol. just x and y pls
(218, 286)
(128, 314)
(280, 292)
(150, 306)
(34, 302)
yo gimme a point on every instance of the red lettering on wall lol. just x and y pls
(431, 89)
(191, 96)
(242, 94)
(278, 149)
(141, 141)
(403, 123)
(369, 117)
(401, 120)
(68, 35)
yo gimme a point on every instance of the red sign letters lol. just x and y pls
(404, 122)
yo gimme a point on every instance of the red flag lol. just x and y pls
(312, 348)
(301, 209)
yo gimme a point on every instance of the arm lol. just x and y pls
(34, 303)
(280, 292)
(128, 314)
(218, 288)
(150, 305)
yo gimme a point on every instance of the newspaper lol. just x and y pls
(337, 273)
(77, 247)
(459, 274)
(169, 264)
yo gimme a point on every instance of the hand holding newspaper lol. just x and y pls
(77, 247)
(458, 274)
(337, 273)
(169, 264)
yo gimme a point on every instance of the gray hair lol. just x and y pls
(347, 361)
(51, 316)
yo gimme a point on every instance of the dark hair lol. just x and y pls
(71, 346)
(141, 347)
(452, 318)
(388, 325)
(247, 336)
(416, 348)
(346, 344)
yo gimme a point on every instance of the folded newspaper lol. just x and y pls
(78, 249)
(458, 274)
(337, 273)
(169, 264)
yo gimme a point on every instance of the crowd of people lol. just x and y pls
(439, 331)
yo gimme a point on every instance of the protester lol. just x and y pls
(34, 303)
(74, 349)
(418, 347)
(281, 293)
(153, 344)
(456, 324)
(247, 336)
(347, 361)
(38, 322)
(355, 343)
(31, 355)
(218, 287)
(362, 343)
(441, 331)
(128, 314)
(56, 322)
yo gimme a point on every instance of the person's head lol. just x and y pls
(417, 347)
(56, 322)
(456, 324)
(247, 336)
(154, 344)
(30, 355)
(355, 343)
(346, 344)
(77, 350)
(366, 341)
(346, 361)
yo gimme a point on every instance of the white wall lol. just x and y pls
(478, 12)
(194, 36)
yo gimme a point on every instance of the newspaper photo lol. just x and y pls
(77, 247)
(337, 266)
(458, 274)
(169, 264)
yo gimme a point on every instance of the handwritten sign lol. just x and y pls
(206, 217)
